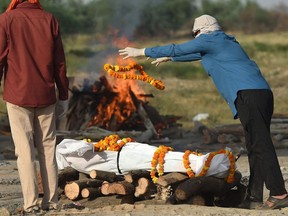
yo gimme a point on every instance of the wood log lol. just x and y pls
(196, 200)
(91, 192)
(236, 129)
(283, 143)
(97, 133)
(233, 197)
(83, 176)
(193, 200)
(134, 175)
(200, 185)
(227, 138)
(172, 199)
(105, 187)
(145, 136)
(171, 178)
(147, 122)
(209, 136)
(128, 199)
(68, 174)
(226, 132)
(235, 133)
(279, 120)
(145, 188)
(103, 175)
(237, 178)
(120, 188)
(283, 131)
(73, 190)
(142, 113)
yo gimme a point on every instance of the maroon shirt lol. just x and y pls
(32, 58)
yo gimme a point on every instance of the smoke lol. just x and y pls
(128, 13)
(126, 18)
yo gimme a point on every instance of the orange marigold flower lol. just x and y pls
(115, 72)
(158, 159)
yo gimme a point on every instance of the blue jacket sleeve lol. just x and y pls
(187, 58)
(188, 51)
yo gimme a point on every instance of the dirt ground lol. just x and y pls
(11, 197)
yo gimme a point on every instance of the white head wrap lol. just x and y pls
(205, 24)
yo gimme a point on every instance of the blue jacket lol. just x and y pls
(223, 59)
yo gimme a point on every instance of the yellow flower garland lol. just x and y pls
(230, 178)
(115, 70)
(208, 162)
(186, 162)
(158, 158)
(110, 143)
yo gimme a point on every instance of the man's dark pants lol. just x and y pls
(255, 109)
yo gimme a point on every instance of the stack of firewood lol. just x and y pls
(234, 133)
(173, 188)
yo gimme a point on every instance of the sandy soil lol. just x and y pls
(11, 197)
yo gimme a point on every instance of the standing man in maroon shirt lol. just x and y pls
(32, 63)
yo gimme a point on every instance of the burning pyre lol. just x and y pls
(114, 105)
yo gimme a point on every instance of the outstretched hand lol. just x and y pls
(158, 61)
(131, 52)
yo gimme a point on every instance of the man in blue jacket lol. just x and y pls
(240, 82)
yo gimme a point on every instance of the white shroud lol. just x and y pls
(79, 155)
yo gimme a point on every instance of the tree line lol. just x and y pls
(153, 18)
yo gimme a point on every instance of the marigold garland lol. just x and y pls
(230, 177)
(207, 163)
(158, 158)
(186, 162)
(110, 143)
(115, 70)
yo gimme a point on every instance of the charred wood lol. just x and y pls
(68, 174)
(91, 192)
(200, 185)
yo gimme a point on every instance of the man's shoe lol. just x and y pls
(274, 203)
(50, 208)
(31, 211)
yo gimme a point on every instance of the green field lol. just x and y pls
(188, 89)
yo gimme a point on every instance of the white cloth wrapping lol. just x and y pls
(79, 155)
